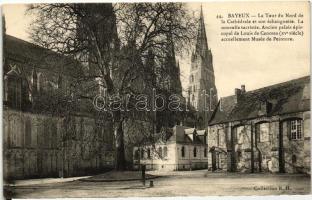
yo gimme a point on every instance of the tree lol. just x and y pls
(114, 40)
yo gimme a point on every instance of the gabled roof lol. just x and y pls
(287, 97)
(189, 130)
(185, 135)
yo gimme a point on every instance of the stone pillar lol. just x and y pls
(252, 147)
(281, 158)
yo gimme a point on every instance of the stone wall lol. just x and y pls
(266, 139)
(297, 152)
(42, 146)
(217, 147)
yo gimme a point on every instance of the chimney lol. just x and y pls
(238, 93)
(243, 89)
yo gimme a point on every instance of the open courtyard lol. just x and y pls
(180, 183)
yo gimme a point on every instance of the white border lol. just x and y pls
(283, 197)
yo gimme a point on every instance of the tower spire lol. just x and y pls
(201, 79)
(201, 43)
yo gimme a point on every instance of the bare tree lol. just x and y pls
(113, 38)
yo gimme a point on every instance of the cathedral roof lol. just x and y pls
(287, 97)
(33, 55)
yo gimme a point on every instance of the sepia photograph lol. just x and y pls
(118, 99)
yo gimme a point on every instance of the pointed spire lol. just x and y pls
(3, 25)
(201, 11)
(201, 44)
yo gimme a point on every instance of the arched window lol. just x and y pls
(41, 82)
(183, 151)
(165, 152)
(136, 154)
(34, 81)
(142, 153)
(160, 152)
(192, 78)
(195, 152)
(148, 153)
(27, 133)
(294, 159)
(13, 88)
(205, 152)
(59, 82)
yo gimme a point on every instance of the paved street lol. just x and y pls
(188, 183)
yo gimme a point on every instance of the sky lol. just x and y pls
(253, 64)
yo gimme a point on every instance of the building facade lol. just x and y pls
(264, 130)
(179, 148)
(47, 131)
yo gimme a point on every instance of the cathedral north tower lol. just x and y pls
(202, 90)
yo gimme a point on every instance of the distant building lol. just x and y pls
(264, 130)
(202, 91)
(178, 148)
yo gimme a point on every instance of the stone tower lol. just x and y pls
(202, 90)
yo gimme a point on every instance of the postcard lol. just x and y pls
(156, 99)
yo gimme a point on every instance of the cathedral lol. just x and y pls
(202, 91)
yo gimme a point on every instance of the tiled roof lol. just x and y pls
(287, 97)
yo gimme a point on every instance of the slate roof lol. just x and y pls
(184, 135)
(34, 55)
(287, 97)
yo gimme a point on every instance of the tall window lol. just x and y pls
(142, 153)
(192, 78)
(148, 153)
(165, 152)
(205, 152)
(296, 129)
(195, 152)
(160, 152)
(14, 91)
(136, 154)
(183, 151)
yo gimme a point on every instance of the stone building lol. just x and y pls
(202, 90)
(264, 130)
(178, 148)
(47, 131)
